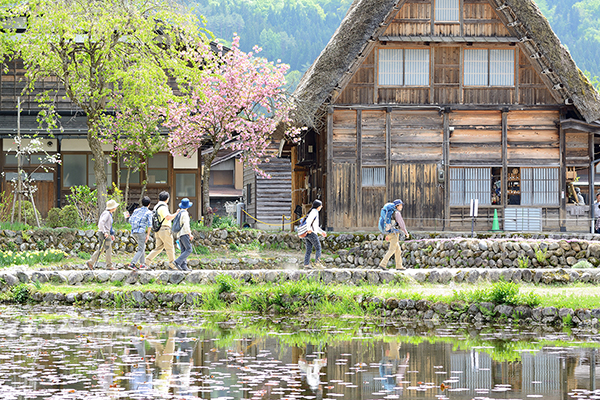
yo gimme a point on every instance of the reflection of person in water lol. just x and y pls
(311, 370)
(392, 368)
(141, 382)
(164, 360)
(182, 367)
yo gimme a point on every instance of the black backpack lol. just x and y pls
(156, 220)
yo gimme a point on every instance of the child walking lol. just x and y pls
(184, 235)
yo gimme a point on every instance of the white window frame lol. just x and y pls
(403, 67)
(447, 11)
(373, 177)
(489, 67)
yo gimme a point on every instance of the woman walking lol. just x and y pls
(312, 240)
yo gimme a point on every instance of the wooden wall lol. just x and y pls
(407, 143)
(273, 198)
(476, 138)
(478, 19)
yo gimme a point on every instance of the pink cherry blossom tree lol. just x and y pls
(238, 105)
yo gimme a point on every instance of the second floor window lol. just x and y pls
(486, 67)
(403, 67)
(446, 11)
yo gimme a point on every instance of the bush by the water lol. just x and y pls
(8, 258)
(69, 216)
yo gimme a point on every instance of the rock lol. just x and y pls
(434, 277)
(40, 277)
(386, 277)
(117, 276)
(527, 275)
(138, 297)
(473, 276)
(75, 278)
(373, 277)
(71, 298)
(391, 303)
(550, 312)
(103, 276)
(504, 310)
(584, 315)
(343, 276)
(522, 312)
(422, 305)
(419, 276)
(440, 308)
(178, 298)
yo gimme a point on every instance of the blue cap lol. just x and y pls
(185, 203)
(397, 202)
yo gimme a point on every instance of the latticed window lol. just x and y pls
(470, 183)
(446, 11)
(403, 67)
(484, 67)
(373, 176)
(539, 187)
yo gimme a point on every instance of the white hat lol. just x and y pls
(111, 204)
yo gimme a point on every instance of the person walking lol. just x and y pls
(597, 213)
(311, 239)
(394, 237)
(184, 235)
(141, 224)
(164, 240)
(105, 226)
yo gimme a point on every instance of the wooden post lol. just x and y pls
(359, 196)
(329, 146)
(562, 177)
(504, 190)
(446, 168)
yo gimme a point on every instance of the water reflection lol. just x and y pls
(63, 353)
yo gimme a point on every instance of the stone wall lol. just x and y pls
(356, 250)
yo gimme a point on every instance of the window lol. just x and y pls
(484, 67)
(404, 67)
(539, 187)
(134, 176)
(78, 170)
(470, 183)
(158, 167)
(221, 178)
(446, 11)
(373, 176)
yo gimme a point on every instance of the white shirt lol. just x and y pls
(312, 220)
(185, 224)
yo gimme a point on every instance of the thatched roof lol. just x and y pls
(363, 25)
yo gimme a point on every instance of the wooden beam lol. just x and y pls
(329, 147)
(388, 153)
(504, 189)
(562, 178)
(359, 158)
(446, 169)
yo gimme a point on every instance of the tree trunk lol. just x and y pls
(99, 172)
(145, 183)
(208, 216)
(127, 186)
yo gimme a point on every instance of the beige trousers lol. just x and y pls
(106, 247)
(393, 250)
(164, 240)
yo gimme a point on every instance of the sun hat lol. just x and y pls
(185, 203)
(111, 204)
(397, 202)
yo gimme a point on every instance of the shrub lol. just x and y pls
(27, 212)
(5, 206)
(85, 201)
(21, 293)
(83, 255)
(53, 220)
(505, 293)
(69, 216)
(226, 283)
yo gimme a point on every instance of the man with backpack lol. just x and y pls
(141, 223)
(161, 225)
(181, 229)
(389, 211)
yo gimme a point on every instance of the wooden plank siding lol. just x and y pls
(274, 198)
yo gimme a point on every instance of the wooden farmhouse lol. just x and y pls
(438, 102)
(180, 176)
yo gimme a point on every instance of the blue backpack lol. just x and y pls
(385, 220)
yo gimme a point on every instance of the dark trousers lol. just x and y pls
(186, 250)
(312, 240)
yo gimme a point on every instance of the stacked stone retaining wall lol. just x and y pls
(357, 250)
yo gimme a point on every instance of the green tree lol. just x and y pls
(92, 48)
